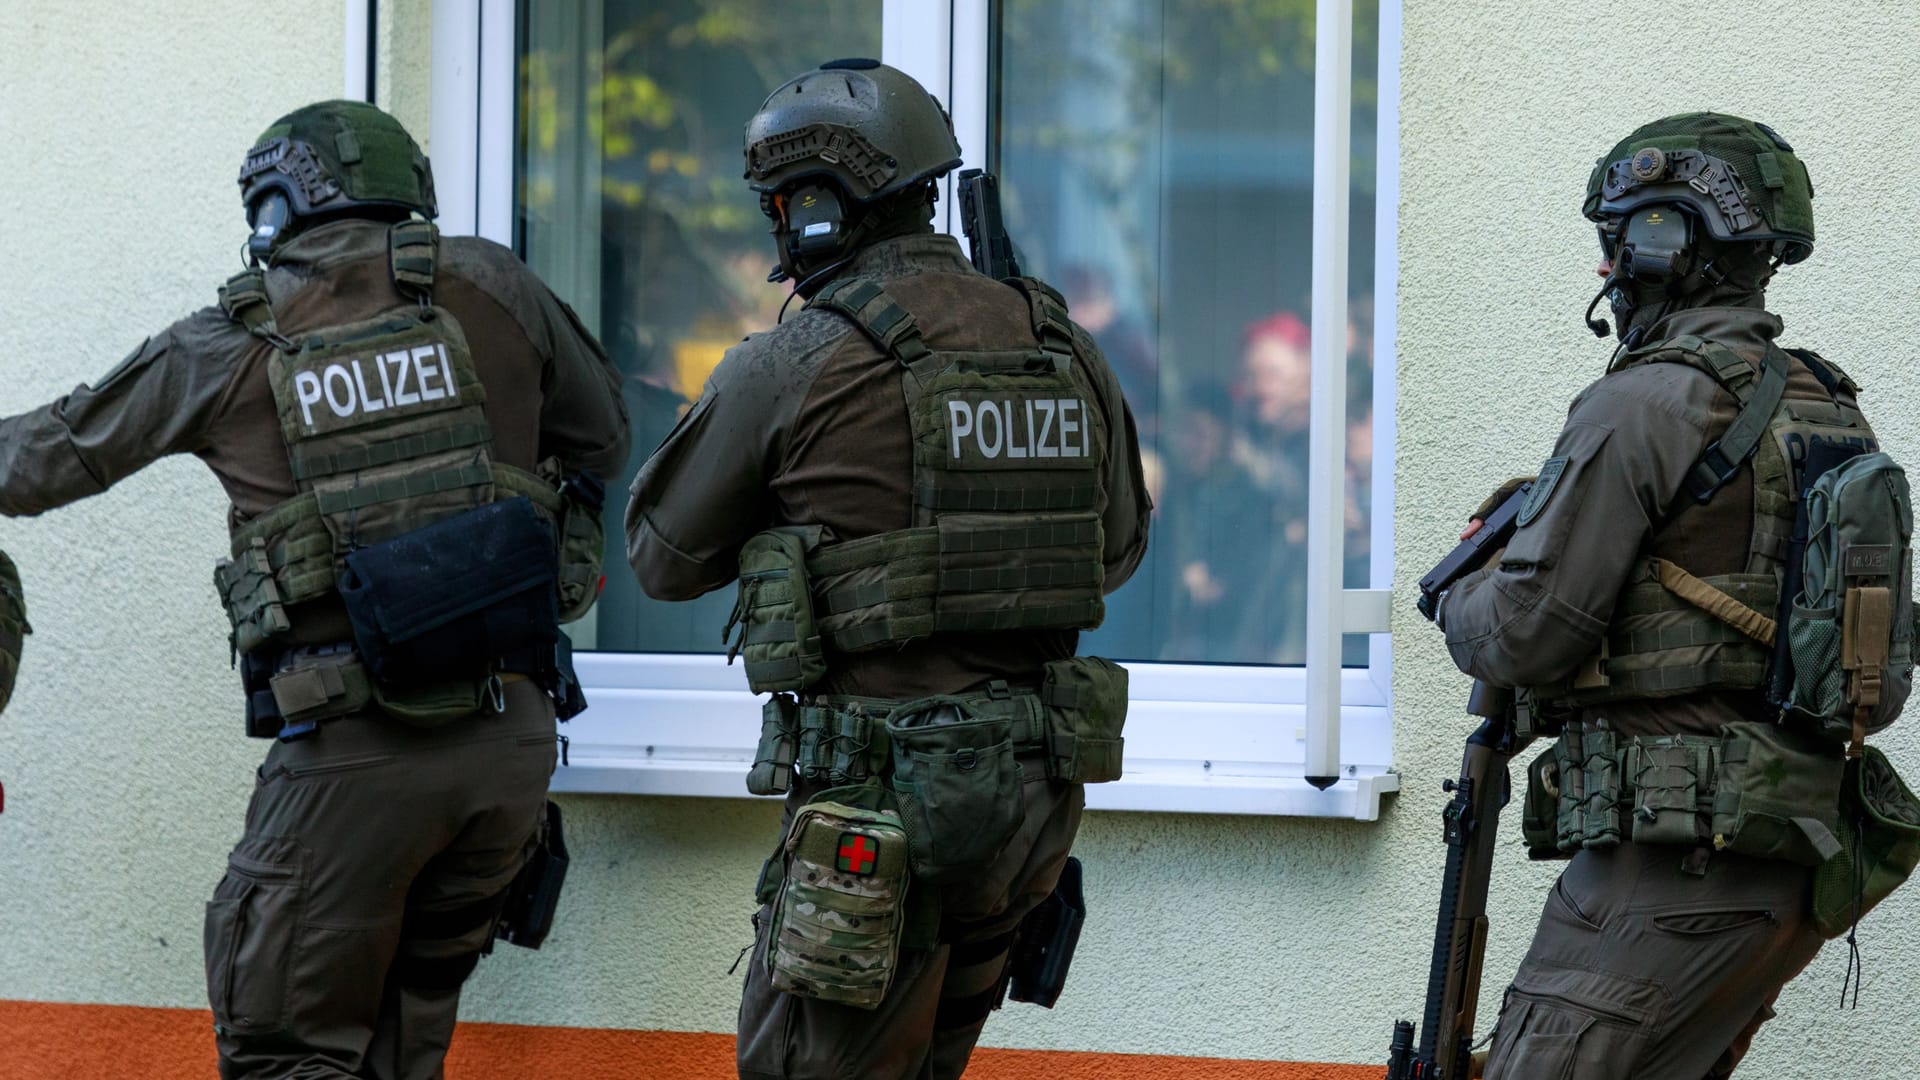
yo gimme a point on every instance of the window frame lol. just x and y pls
(1201, 738)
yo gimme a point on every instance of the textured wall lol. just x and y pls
(1234, 937)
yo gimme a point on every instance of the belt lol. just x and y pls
(844, 740)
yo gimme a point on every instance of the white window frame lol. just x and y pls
(1206, 738)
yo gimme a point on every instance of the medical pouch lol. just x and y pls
(253, 601)
(957, 781)
(446, 602)
(1086, 698)
(772, 772)
(1540, 808)
(1880, 834)
(1777, 794)
(778, 635)
(840, 908)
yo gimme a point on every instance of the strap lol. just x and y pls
(1714, 602)
(877, 315)
(1051, 326)
(244, 300)
(412, 251)
(1722, 461)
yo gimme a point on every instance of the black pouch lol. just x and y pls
(535, 892)
(1043, 952)
(958, 785)
(443, 603)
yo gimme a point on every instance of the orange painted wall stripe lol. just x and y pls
(43, 1041)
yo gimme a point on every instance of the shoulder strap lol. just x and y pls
(1759, 400)
(1050, 323)
(1828, 372)
(244, 300)
(877, 315)
(412, 249)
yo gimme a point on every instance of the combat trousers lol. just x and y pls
(375, 859)
(1641, 970)
(926, 1027)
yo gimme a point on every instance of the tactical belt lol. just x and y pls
(843, 740)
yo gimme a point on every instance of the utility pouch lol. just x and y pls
(958, 785)
(254, 604)
(583, 544)
(445, 602)
(1087, 707)
(840, 909)
(1043, 950)
(1570, 819)
(263, 712)
(1777, 794)
(535, 893)
(778, 634)
(1600, 786)
(1540, 809)
(1880, 834)
(311, 685)
(1668, 773)
(772, 772)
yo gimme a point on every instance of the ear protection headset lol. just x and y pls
(267, 216)
(810, 226)
(1654, 250)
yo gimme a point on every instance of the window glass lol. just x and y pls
(630, 203)
(1156, 162)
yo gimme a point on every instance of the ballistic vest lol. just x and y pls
(385, 430)
(1674, 633)
(1009, 453)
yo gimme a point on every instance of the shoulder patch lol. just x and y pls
(1543, 488)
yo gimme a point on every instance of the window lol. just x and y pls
(1158, 165)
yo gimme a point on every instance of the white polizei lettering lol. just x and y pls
(340, 406)
(386, 383)
(426, 371)
(1014, 451)
(1068, 426)
(368, 401)
(400, 363)
(1041, 447)
(446, 372)
(982, 411)
(306, 389)
(959, 424)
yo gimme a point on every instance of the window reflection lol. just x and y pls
(1156, 159)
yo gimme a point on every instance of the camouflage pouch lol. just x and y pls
(1880, 837)
(957, 781)
(1087, 707)
(778, 635)
(13, 626)
(251, 597)
(773, 758)
(1777, 794)
(1540, 809)
(839, 912)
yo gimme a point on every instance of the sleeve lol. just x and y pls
(1616, 468)
(1129, 508)
(705, 491)
(583, 420)
(160, 400)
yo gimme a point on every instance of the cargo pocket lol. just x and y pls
(250, 927)
(1086, 699)
(958, 785)
(1561, 1024)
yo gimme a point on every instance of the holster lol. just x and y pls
(1042, 953)
(535, 892)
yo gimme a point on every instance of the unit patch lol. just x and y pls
(1543, 486)
(858, 853)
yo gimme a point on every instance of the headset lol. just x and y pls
(810, 224)
(268, 217)
(1655, 248)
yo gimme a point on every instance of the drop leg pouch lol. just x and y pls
(841, 905)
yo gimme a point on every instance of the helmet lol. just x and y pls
(869, 127)
(1739, 179)
(327, 157)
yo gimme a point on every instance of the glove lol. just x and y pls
(1500, 495)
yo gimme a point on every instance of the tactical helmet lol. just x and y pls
(334, 155)
(1739, 178)
(870, 127)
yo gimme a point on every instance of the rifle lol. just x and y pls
(987, 242)
(1470, 823)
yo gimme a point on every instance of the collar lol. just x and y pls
(1739, 328)
(919, 253)
(312, 249)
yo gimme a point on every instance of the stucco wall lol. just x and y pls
(125, 768)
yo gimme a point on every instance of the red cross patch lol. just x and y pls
(858, 853)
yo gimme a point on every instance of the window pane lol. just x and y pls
(1156, 158)
(630, 203)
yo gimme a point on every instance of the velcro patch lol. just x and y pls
(1868, 560)
(858, 853)
(1543, 488)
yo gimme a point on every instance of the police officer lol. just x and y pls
(924, 482)
(1661, 523)
(367, 386)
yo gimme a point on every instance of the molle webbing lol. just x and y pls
(876, 314)
(412, 251)
(308, 463)
(1661, 643)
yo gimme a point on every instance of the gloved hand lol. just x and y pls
(1492, 502)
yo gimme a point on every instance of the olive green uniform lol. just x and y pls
(375, 855)
(1652, 962)
(805, 425)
